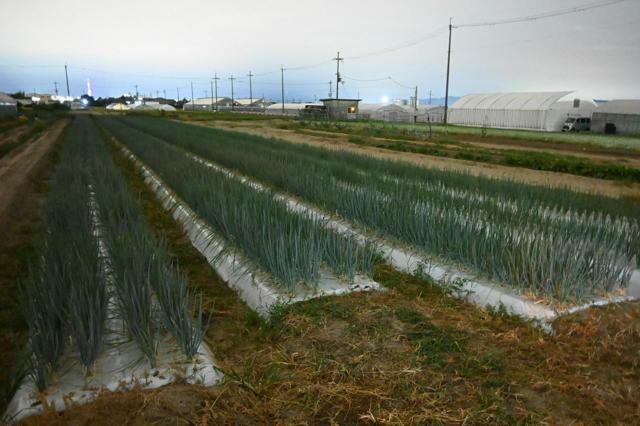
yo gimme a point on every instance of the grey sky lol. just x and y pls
(118, 44)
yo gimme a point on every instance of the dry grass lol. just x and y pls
(410, 355)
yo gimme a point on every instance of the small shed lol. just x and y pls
(620, 116)
(8, 105)
(342, 109)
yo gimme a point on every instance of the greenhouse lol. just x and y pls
(8, 105)
(401, 113)
(546, 111)
(290, 109)
(118, 107)
(618, 116)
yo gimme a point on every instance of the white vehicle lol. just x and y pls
(581, 124)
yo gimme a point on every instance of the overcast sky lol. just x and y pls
(161, 45)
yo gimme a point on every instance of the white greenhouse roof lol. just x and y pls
(291, 106)
(248, 101)
(380, 107)
(367, 107)
(7, 100)
(621, 106)
(531, 101)
(207, 100)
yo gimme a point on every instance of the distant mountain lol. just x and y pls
(438, 101)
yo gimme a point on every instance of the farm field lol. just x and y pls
(438, 212)
(409, 354)
(534, 161)
(567, 141)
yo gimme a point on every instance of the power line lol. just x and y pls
(549, 37)
(400, 84)
(543, 15)
(366, 80)
(338, 79)
(409, 43)
(388, 78)
(306, 67)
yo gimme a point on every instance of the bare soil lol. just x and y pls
(12, 135)
(16, 167)
(536, 177)
(21, 189)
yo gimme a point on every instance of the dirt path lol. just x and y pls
(21, 190)
(536, 177)
(16, 168)
(13, 134)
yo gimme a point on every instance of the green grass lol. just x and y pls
(421, 132)
(443, 146)
(535, 160)
(186, 115)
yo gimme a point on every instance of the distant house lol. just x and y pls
(620, 116)
(342, 109)
(8, 105)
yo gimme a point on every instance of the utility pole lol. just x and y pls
(338, 79)
(330, 88)
(136, 92)
(164, 93)
(211, 83)
(193, 106)
(66, 75)
(282, 85)
(250, 89)
(55, 87)
(415, 106)
(446, 95)
(215, 81)
(232, 98)
(178, 93)
(429, 97)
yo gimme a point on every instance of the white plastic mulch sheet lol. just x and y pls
(476, 291)
(120, 366)
(253, 287)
